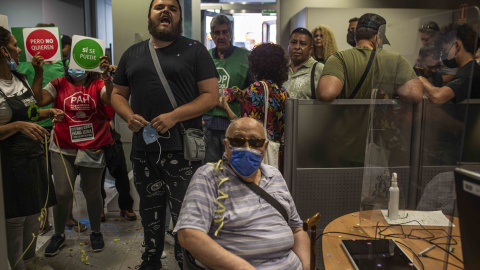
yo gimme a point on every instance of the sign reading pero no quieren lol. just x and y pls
(86, 53)
(44, 41)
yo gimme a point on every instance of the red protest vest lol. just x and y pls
(85, 124)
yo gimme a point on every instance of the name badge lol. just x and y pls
(80, 133)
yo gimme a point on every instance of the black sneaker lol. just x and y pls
(96, 241)
(56, 243)
(146, 265)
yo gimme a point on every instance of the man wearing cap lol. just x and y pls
(302, 66)
(343, 70)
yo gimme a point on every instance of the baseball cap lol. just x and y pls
(376, 22)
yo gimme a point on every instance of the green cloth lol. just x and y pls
(233, 71)
(299, 84)
(50, 72)
(389, 71)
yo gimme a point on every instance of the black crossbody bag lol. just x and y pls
(364, 76)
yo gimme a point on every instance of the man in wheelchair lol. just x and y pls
(225, 223)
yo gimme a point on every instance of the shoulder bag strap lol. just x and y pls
(312, 81)
(265, 119)
(267, 197)
(164, 81)
(364, 76)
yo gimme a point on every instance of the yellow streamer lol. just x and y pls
(69, 181)
(219, 166)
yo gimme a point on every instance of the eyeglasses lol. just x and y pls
(240, 142)
(316, 36)
(444, 55)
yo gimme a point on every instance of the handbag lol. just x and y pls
(376, 167)
(273, 148)
(90, 159)
(193, 138)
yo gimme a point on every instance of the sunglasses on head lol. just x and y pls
(240, 142)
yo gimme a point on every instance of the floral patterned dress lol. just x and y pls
(254, 107)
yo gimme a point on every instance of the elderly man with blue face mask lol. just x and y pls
(224, 224)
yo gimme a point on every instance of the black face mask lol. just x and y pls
(351, 38)
(450, 63)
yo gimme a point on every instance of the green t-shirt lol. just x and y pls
(389, 71)
(232, 71)
(50, 72)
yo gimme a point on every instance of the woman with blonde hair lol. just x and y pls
(324, 43)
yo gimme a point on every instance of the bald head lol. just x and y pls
(245, 125)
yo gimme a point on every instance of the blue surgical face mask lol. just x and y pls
(150, 135)
(11, 63)
(77, 74)
(245, 161)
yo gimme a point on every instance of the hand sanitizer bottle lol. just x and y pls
(394, 198)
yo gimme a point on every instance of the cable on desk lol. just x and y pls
(428, 239)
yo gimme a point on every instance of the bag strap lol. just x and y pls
(164, 81)
(312, 81)
(364, 76)
(265, 93)
(267, 197)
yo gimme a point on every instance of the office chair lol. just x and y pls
(311, 224)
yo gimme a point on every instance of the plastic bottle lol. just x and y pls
(394, 198)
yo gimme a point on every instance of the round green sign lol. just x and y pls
(87, 53)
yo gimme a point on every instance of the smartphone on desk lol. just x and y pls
(377, 254)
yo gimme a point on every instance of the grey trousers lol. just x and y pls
(90, 181)
(19, 237)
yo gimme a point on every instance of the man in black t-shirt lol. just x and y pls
(457, 43)
(161, 173)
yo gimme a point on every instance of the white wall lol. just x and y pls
(130, 22)
(335, 18)
(22, 13)
(66, 14)
(291, 7)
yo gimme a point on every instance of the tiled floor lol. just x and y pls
(122, 243)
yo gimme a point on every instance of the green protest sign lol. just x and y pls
(86, 53)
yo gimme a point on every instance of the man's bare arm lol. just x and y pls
(209, 252)
(438, 95)
(328, 88)
(411, 91)
(301, 246)
(119, 101)
(207, 99)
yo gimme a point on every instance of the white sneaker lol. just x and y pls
(142, 248)
(36, 264)
(169, 239)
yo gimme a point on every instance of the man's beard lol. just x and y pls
(164, 34)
